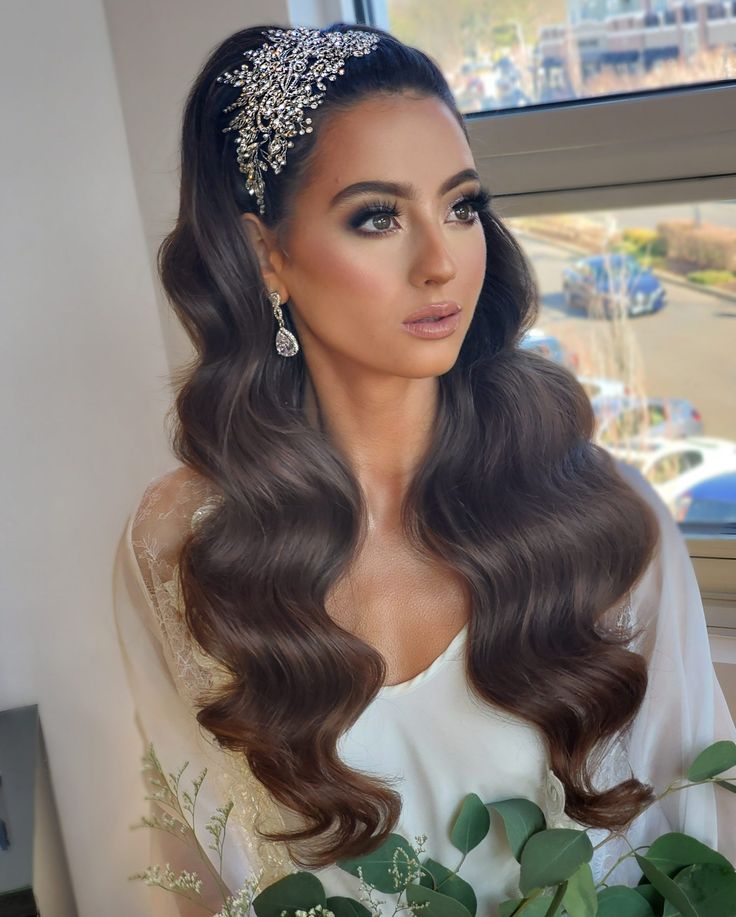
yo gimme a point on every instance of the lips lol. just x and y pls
(435, 310)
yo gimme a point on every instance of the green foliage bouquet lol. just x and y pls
(681, 877)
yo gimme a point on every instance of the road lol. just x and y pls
(686, 350)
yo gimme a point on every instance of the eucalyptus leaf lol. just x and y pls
(377, 866)
(295, 891)
(536, 908)
(710, 888)
(435, 873)
(672, 852)
(717, 758)
(580, 899)
(347, 907)
(621, 901)
(653, 898)
(471, 825)
(666, 887)
(521, 819)
(448, 883)
(551, 856)
(439, 905)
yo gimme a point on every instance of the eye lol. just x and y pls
(465, 211)
(377, 215)
(472, 205)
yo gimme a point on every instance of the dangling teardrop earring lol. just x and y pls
(286, 344)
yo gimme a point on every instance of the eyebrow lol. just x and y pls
(401, 189)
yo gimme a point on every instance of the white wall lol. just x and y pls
(157, 50)
(88, 189)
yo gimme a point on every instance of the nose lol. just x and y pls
(432, 262)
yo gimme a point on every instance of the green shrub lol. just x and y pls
(711, 278)
(644, 241)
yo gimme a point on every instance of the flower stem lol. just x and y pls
(179, 812)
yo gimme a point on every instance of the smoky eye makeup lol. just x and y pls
(374, 208)
(479, 201)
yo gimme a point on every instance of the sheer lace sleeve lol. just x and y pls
(684, 710)
(145, 601)
(167, 671)
(170, 508)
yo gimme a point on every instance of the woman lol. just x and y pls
(391, 567)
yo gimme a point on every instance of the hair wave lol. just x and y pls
(511, 493)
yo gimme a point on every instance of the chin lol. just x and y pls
(434, 365)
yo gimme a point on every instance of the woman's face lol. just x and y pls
(353, 270)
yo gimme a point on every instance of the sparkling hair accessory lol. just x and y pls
(278, 83)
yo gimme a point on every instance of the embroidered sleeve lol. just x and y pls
(171, 507)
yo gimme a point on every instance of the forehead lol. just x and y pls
(398, 137)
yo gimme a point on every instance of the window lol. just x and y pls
(500, 54)
(671, 466)
(689, 13)
(716, 11)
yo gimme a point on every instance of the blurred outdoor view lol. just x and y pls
(509, 53)
(641, 305)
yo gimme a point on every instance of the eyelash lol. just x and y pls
(479, 202)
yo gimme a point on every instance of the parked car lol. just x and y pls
(550, 346)
(631, 420)
(597, 282)
(675, 465)
(709, 502)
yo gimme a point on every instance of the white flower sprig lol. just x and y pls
(180, 804)
(166, 878)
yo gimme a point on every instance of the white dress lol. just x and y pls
(430, 735)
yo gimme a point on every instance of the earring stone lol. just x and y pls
(286, 344)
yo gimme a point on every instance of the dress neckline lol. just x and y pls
(402, 687)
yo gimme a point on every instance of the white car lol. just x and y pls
(675, 465)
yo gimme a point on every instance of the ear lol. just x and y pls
(266, 248)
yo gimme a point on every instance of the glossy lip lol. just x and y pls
(433, 310)
(434, 330)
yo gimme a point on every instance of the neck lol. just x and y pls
(381, 425)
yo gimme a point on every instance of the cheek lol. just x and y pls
(339, 280)
(354, 271)
(471, 260)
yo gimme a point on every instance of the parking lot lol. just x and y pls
(686, 350)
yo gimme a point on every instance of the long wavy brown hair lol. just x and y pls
(512, 494)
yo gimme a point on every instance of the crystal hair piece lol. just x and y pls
(278, 83)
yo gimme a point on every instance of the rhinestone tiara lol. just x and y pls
(279, 80)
